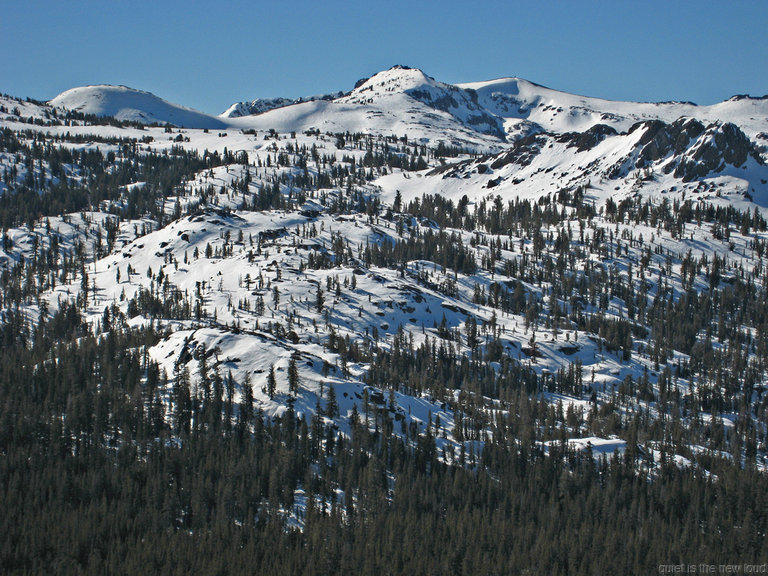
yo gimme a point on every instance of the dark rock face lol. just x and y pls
(522, 152)
(660, 139)
(685, 148)
(588, 139)
(719, 146)
(693, 149)
(733, 143)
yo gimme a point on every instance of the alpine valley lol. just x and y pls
(415, 327)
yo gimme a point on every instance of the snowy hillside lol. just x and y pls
(132, 105)
(684, 160)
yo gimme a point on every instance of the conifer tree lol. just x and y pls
(293, 375)
(271, 382)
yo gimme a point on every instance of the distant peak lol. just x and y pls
(107, 88)
(130, 104)
(395, 79)
(738, 97)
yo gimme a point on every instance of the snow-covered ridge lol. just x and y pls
(484, 116)
(126, 103)
(556, 111)
(261, 105)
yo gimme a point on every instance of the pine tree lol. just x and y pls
(245, 413)
(271, 382)
(293, 375)
(319, 300)
(331, 403)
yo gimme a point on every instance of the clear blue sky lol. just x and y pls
(208, 55)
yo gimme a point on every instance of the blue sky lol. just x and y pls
(208, 55)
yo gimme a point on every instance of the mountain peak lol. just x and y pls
(396, 79)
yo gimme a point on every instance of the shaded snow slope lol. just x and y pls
(261, 105)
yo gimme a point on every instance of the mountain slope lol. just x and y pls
(341, 251)
(685, 159)
(399, 85)
(402, 101)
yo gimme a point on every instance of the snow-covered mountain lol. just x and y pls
(402, 101)
(399, 86)
(405, 213)
(410, 299)
(132, 105)
(481, 114)
(257, 106)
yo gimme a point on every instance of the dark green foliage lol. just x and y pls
(93, 481)
(77, 180)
